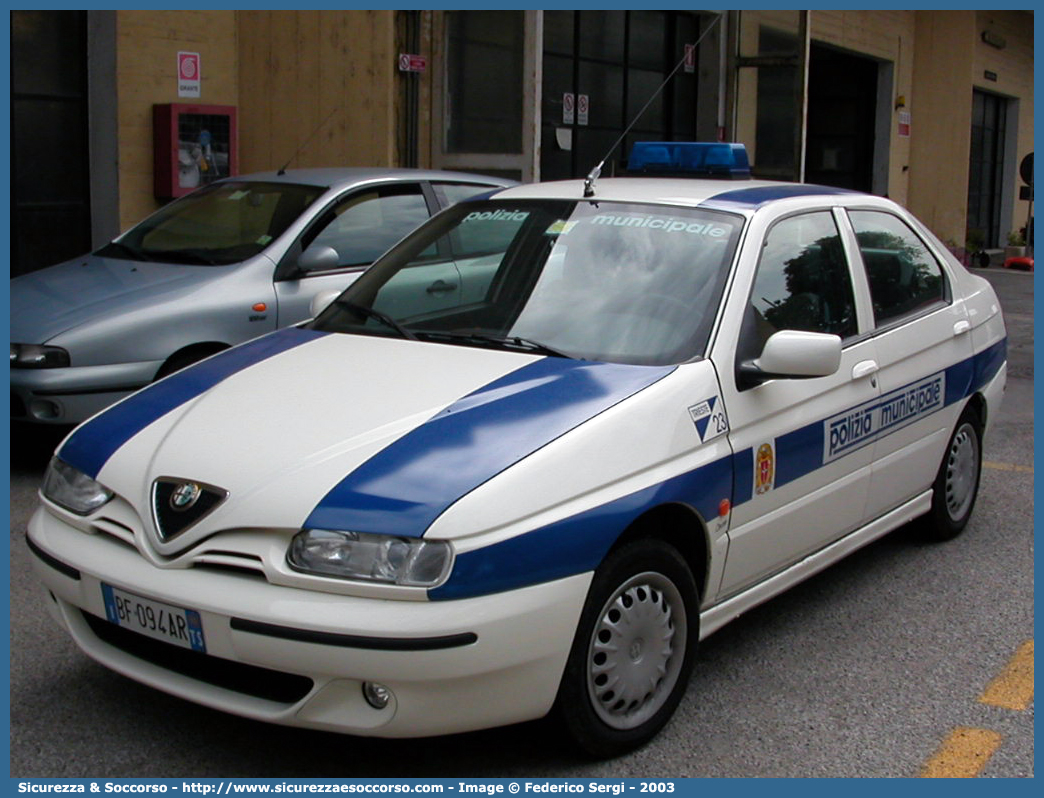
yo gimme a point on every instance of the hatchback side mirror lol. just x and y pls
(792, 354)
(318, 258)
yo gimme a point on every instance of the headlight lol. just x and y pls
(35, 356)
(373, 558)
(72, 489)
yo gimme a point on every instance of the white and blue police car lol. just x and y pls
(548, 442)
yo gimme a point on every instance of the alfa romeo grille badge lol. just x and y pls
(184, 496)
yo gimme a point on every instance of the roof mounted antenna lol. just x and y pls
(595, 173)
(282, 170)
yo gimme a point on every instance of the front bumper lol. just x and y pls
(509, 673)
(74, 394)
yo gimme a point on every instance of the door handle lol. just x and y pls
(961, 327)
(864, 368)
(440, 287)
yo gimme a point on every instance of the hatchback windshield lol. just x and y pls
(223, 223)
(617, 282)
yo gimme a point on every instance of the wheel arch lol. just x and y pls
(977, 402)
(188, 355)
(680, 526)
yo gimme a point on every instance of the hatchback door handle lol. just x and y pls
(440, 287)
(864, 368)
(961, 327)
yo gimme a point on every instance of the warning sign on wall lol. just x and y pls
(188, 75)
(690, 58)
(583, 107)
(904, 123)
(568, 108)
(409, 62)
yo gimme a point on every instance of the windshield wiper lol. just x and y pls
(371, 313)
(186, 256)
(508, 342)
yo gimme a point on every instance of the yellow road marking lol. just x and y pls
(1007, 467)
(962, 755)
(965, 752)
(1013, 688)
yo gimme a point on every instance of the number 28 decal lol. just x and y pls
(709, 418)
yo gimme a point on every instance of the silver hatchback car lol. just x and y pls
(224, 264)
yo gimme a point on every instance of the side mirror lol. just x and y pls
(318, 258)
(793, 354)
(322, 300)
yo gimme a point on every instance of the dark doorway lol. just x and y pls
(985, 176)
(617, 59)
(842, 103)
(50, 190)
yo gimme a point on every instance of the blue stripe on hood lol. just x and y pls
(92, 444)
(410, 483)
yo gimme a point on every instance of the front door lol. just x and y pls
(799, 485)
(359, 228)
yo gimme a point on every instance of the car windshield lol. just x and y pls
(222, 223)
(616, 282)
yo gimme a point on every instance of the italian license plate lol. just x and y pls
(174, 625)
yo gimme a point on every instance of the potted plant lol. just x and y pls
(974, 245)
(1016, 245)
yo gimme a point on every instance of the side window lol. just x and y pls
(363, 226)
(803, 283)
(904, 276)
(450, 193)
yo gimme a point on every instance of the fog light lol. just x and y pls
(376, 695)
(44, 409)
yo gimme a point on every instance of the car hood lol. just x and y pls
(303, 428)
(48, 302)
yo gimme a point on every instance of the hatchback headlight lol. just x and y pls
(35, 356)
(373, 558)
(72, 489)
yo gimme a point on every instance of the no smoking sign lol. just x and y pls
(575, 108)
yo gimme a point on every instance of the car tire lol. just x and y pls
(617, 690)
(957, 483)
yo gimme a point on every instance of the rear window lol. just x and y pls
(904, 276)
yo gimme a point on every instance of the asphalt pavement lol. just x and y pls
(871, 668)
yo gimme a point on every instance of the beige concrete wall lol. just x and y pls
(300, 71)
(1013, 66)
(941, 104)
(750, 23)
(147, 44)
(886, 36)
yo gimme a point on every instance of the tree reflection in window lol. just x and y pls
(803, 283)
(904, 277)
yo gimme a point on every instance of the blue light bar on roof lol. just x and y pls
(689, 159)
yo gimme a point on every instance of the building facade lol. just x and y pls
(932, 108)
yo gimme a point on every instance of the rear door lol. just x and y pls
(922, 338)
(801, 481)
